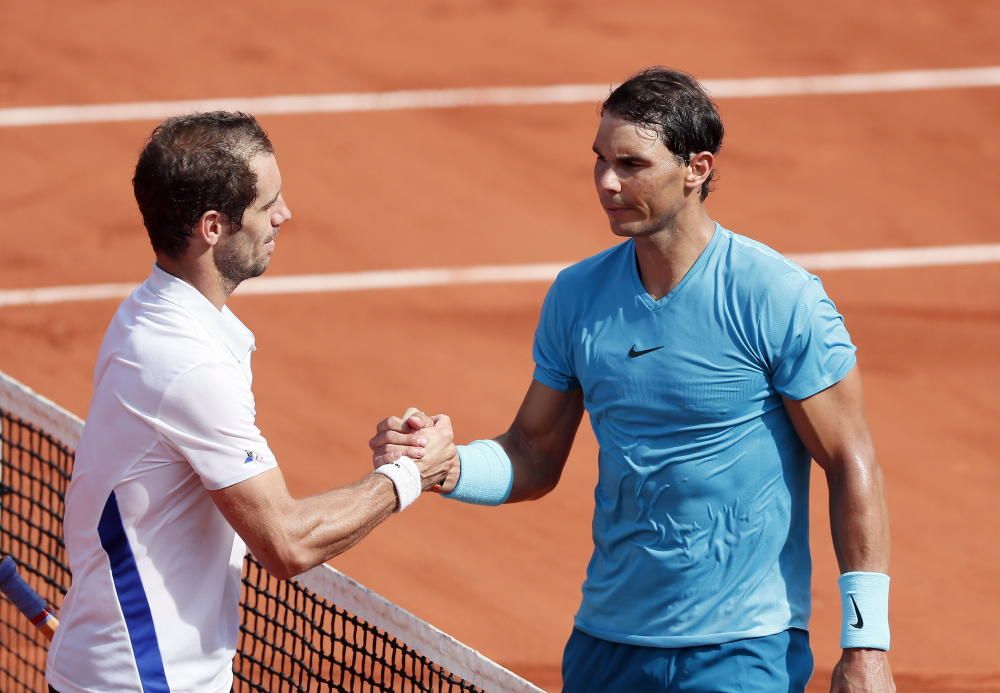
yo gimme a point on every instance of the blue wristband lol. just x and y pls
(485, 474)
(864, 602)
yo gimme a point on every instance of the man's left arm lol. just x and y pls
(833, 428)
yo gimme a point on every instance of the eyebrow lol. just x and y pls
(623, 157)
(273, 200)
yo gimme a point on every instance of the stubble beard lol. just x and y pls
(234, 267)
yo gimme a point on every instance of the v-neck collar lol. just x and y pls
(695, 269)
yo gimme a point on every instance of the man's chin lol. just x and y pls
(260, 268)
(255, 270)
(625, 230)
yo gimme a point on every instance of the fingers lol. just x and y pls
(416, 419)
(440, 421)
(393, 423)
(409, 435)
(389, 446)
(412, 420)
(411, 411)
(379, 458)
(415, 440)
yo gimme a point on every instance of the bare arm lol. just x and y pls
(538, 441)
(833, 427)
(289, 535)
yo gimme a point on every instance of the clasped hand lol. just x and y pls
(428, 440)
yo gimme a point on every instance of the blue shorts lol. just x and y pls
(780, 662)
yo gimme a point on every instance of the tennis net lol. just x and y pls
(321, 631)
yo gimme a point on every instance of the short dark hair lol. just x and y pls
(192, 164)
(676, 107)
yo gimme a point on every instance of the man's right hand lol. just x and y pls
(427, 440)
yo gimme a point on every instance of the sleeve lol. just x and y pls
(807, 347)
(553, 349)
(208, 415)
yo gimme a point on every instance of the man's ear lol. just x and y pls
(209, 227)
(700, 166)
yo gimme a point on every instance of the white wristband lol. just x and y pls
(405, 477)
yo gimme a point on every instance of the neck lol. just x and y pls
(665, 256)
(201, 274)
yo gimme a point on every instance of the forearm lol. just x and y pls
(328, 524)
(860, 525)
(535, 472)
(859, 518)
(305, 532)
(540, 438)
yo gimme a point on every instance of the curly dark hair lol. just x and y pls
(192, 164)
(676, 107)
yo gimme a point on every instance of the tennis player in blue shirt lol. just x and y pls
(713, 370)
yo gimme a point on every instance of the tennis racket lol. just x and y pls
(27, 600)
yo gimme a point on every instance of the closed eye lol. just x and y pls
(271, 203)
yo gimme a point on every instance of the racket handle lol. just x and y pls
(27, 600)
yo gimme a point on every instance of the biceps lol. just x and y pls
(548, 420)
(832, 423)
(255, 507)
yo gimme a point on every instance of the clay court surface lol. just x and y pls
(511, 185)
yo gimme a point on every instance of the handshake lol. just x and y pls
(427, 440)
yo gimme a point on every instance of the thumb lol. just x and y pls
(416, 419)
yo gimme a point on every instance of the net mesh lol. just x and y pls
(35, 475)
(291, 638)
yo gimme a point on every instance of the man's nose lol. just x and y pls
(281, 215)
(607, 180)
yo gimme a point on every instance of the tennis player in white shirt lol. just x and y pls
(173, 479)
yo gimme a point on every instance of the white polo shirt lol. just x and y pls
(154, 602)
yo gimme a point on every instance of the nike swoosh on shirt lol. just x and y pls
(861, 622)
(633, 353)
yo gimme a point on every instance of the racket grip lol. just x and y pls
(27, 600)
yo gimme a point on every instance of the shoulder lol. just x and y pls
(152, 343)
(605, 266)
(756, 259)
(756, 271)
(162, 331)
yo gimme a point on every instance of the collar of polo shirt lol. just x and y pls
(222, 324)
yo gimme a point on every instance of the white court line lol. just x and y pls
(505, 274)
(360, 102)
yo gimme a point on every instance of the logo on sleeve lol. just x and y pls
(252, 457)
(861, 622)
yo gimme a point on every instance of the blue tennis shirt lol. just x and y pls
(701, 522)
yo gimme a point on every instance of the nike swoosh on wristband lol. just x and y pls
(861, 622)
(633, 353)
